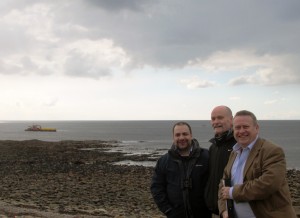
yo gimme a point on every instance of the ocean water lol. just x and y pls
(148, 137)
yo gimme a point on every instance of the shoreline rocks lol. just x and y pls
(78, 179)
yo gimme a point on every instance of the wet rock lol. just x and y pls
(63, 178)
(76, 179)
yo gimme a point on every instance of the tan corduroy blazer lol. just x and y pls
(265, 186)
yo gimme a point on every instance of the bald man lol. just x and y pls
(219, 151)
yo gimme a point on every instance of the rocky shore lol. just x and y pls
(77, 179)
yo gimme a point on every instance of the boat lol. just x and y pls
(39, 128)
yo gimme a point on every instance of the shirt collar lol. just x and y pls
(237, 146)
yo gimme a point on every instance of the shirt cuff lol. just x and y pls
(230, 192)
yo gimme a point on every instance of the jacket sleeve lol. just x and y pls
(265, 177)
(159, 186)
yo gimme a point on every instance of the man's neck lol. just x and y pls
(184, 153)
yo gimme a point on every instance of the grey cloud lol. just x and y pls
(266, 78)
(196, 83)
(14, 40)
(116, 5)
(203, 84)
(27, 63)
(8, 69)
(14, 4)
(170, 33)
(174, 32)
(241, 80)
(78, 65)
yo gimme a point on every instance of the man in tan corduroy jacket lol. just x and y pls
(257, 169)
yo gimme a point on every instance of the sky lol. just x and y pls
(148, 59)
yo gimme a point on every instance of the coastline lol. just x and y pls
(77, 179)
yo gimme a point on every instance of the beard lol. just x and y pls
(184, 147)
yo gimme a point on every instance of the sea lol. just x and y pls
(150, 136)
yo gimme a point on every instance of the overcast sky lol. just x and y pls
(148, 59)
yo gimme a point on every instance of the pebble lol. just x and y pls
(69, 179)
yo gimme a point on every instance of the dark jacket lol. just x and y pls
(219, 153)
(178, 183)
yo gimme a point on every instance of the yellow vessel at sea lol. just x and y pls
(38, 128)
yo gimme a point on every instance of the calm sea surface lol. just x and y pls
(148, 136)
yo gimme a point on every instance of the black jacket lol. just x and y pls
(219, 152)
(178, 183)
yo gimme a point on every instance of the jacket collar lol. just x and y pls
(226, 136)
(253, 153)
(194, 148)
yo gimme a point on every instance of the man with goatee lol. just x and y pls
(180, 177)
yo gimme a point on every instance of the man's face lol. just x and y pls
(221, 120)
(182, 137)
(245, 130)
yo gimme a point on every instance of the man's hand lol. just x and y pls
(225, 214)
(225, 194)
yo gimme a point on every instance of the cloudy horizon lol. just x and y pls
(148, 60)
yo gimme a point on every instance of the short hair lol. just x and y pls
(246, 113)
(182, 123)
